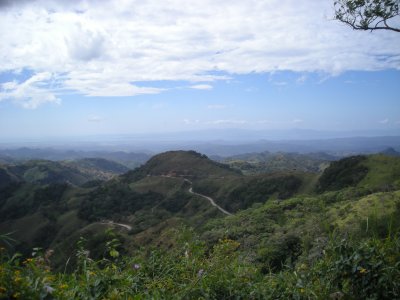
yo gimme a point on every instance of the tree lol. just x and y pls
(367, 14)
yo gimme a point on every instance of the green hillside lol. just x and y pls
(97, 168)
(189, 164)
(235, 193)
(75, 172)
(45, 172)
(267, 162)
(284, 225)
(373, 172)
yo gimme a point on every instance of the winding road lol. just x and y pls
(128, 227)
(211, 200)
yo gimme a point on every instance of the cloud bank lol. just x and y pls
(118, 48)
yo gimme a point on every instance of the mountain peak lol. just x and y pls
(182, 164)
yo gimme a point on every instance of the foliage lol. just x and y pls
(181, 163)
(367, 14)
(343, 173)
(266, 162)
(277, 247)
(259, 190)
(39, 197)
(109, 200)
(348, 269)
(241, 193)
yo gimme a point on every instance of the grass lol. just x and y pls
(384, 171)
(305, 219)
(347, 214)
(158, 184)
(348, 269)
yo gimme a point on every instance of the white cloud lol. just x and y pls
(158, 106)
(229, 122)
(202, 87)
(251, 89)
(279, 83)
(264, 122)
(190, 122)
(217, 106)
(297, 121)
(32, 92)
(100, 48)
(95, 118)
(384, 121)
(301, 79)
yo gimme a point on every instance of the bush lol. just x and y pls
(343, 173)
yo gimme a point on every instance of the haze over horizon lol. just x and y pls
(93, 68)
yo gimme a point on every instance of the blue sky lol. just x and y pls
(90, 68)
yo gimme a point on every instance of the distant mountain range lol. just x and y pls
(128, 159)
(139, 150)
(52, 204)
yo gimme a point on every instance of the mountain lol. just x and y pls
(128, 159)
(212, 142)
(97, 168)
(390, 152)
(373, 172)
(76, 172)
(267, 162)
(267, 213)
(229, 187)
(147, 198)
(333, 146)
(185, 163)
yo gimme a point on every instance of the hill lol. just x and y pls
(75, 172)
(186, 163)
(267, 162)
(373, 172)
(390, 152)
(292, 235)
(46, 172)
(97, 168)
(272, 212)
(128, 159)
(58, 212)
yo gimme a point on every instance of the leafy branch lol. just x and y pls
(367, 14)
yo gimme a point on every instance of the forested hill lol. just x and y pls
(188, 164)
(75, 172)
(334, 230)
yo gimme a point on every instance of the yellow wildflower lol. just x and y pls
(63, 286)
(28, 260)
(302, 291)
(362, 271)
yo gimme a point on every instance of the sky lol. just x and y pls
(76, 68)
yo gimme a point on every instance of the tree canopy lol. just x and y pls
(368, 14)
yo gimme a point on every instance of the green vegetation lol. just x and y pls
(237, 193)
(266, 162)
(182, 163)
(347, 269)
(75, 172)
(106, 202)
(343, 173)
(292, 235)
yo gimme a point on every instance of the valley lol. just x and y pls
(276, 219)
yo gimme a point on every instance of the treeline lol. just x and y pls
(115, 200)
